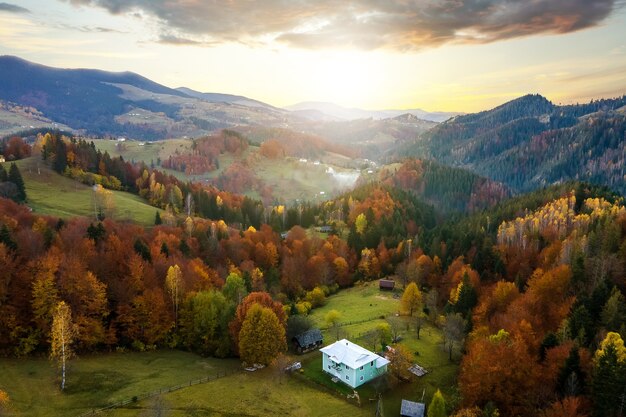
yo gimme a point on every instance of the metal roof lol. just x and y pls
(353, 355)
(412, 409)
(309, 337)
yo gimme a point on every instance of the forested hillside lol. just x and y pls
(530, 143)
(447, 188)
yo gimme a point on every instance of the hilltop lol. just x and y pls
(529, 143)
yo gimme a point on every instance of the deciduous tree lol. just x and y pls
(262, 336)
(63, 333)
(411, 299)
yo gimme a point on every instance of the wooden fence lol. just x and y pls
(160, 391)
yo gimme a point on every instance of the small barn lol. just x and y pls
(386, 284)
(309, 340)
(412, 409)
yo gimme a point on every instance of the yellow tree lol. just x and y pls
(173, 284)
(262, 336)
(63, 333)
(332, 320)
(411, 299)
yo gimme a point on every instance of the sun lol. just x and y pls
(346, 78)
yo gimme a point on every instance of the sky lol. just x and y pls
(438, 55)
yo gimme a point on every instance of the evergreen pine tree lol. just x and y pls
(16, 178)
(60, 159)
(157, 219)
(3, 174)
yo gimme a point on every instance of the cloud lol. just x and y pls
(12, 8)
(364, 24)
(169, 39)
(88, 29)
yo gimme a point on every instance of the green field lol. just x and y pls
(55, 195)
(364, 302)
(97, 380)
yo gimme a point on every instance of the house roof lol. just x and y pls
(309, 337)
(412, 409)
(353, 355)
(386, 283)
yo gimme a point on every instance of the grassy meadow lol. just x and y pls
(365, 302)
(95, 381)
(52, 194)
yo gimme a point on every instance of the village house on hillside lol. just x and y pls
(351, 363)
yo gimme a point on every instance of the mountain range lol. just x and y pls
(318, 110)
(529, 143)
(109, 103)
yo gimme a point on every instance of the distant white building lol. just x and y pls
(2, 159)
(121, 139)
(351, 363)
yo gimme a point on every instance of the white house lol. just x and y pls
(351, 363)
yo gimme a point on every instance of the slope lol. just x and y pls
(529, 143)
(55, 195)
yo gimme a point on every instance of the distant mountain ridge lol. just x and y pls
(344, 113)
(224, 98)
(124, 103)
(530, 143)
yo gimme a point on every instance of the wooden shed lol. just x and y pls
(309, 340)
(386, 284)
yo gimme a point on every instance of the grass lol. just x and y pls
(97, 380)
(260, 393)
(55, 195)
(366, 301)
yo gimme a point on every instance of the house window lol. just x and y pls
(328, 366)
(347, 378)
(361, 368)
(372, 363)
(361, 378)
(347, 367)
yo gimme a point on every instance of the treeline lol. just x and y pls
(117, 280)
(450, 189)
(81, 160)
(205, 153)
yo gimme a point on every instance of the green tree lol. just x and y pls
(262, 337)
(234, 288)
(204, 323)
(614, 311)
(437, 406)
(3, 174)
(157, 219)
(16, 178)
(63, 333)
(411, 299)
(609, 377)
(571, 381)
(467, 297)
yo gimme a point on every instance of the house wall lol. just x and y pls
(340, 372)
(368, 372)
